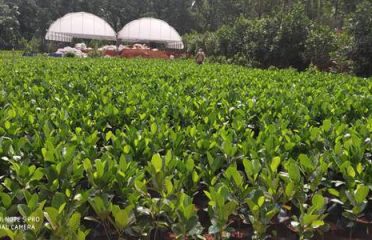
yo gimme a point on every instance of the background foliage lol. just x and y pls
(330, 34)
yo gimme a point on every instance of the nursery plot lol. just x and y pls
(153, 149)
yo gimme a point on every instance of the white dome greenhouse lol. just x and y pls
(80, 25)
(151, 30)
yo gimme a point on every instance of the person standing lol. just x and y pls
(200, 57)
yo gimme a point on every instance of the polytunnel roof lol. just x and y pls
(151, 29)
(80, 25)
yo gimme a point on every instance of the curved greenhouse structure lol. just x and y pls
(80, 25)
(151, 30)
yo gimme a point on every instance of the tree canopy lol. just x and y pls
(185, 15)
(282, 36)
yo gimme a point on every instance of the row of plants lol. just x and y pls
(150, 149)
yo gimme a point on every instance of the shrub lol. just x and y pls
(226, 41)
(211, 43)
(193, 41)
(289, 43)
(278, 40)
(340, 58)
(319, 44)
(291, 39)
(361, 30)
(32, 46)
(258, 40)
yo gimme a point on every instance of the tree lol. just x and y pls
(289, 42)
(319, 45)
(8, 25)
(28, 23)
(361, 29)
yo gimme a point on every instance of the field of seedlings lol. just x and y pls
(158, 150)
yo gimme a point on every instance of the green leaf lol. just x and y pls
(126, 149)
(232, 172)
(317, 224)
(189, 211)
(318, 202)
(157, 162)
(193, 131)
(32, 201)
(306, 162)
(6, 199)
(7, 125)
(169, 186)
(350, 171)
(74, 221)
(99, 206)
(7, 233)
(12, 113)
(294, 171)
(123, 163)
(82, 235)
(252, 168)
(261, 201)
(58, 200)
(31, 119)
(100, 166)
(327, 125)
(23, 210)
(361, 193)
(290, 189)
(334, 192)
(314, 133)
(168, 157)
(93, 138)
(38, 220)
(229, 209)
(51, 214)
(252, 205)
(275, 164)
(214, 162)
(154, 128)
(272, 213)
(48, 154)
(190, 164)
(359, 168)
(309, 218)
(140, 186)
(109, 135)
(143, 116)
(238, 179)
(195, 177)
(87, 165)
(228, 148)
(121, 218)
(38, 175)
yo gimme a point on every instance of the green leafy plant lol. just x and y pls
(187, 222)
(311, 217)
(151, 149)
(220, 208)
